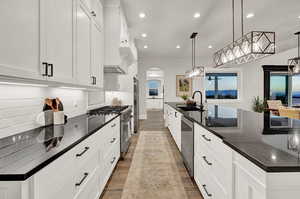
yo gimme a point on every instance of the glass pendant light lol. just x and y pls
(251, 46)
(197, 71)
(294, 63)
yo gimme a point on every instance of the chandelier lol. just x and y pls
(251, 46)
(294, 63)
(197, 71)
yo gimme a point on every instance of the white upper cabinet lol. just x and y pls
(57, 39)
(19, 39)
(97, 56)
(52, 40)
(83, 45)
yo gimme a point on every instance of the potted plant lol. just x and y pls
(259, 105)
(184, 97)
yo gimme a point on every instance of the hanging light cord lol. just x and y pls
(242, 16)
(298, 44)
(233, 21)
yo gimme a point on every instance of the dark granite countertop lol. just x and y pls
(24, 154)
(271, 142)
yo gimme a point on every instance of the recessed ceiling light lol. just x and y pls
(144, 35)
(299, 17)
(249, 15)
(145, 46)
(210, 46)
(178, 46)
(197, 15)
(142, 15)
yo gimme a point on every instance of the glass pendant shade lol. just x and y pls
(198, 71)
(252, 46)
(294, 66)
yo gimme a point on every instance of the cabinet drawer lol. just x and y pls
(85, 150)
(110, 162)
(111, 136)
(206, 139)
(207, 182)
(91, 189)
(85, 173)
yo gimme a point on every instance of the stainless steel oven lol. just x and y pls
(126, 130)
(187, 144)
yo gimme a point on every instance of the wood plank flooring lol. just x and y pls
(154, 122)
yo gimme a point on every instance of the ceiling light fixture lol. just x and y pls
(144, 35)
(145, 46)
(197, 15)
(197, 71)
(294, 63)
(251, 46)
(299, 17)
(250, 15)
(210, 46)
(178, 46)
(142, 15)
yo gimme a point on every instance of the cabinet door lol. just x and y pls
(57, 38)
(19, 41)
(97, 57)
(97, 12)
(83, 45)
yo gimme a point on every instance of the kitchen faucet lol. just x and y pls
(201, 104)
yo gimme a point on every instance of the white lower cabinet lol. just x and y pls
(213, 169)
(80, 173)
(174, 124)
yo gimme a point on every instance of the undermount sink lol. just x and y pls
(189, 108)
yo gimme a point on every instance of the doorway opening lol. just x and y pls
(155, 89)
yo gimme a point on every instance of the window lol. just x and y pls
(221, 86)
(153, 86)
(279, 87)
(296, 90)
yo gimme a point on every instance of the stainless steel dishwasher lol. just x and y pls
(187, 144)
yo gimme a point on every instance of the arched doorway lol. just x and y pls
(154, 89)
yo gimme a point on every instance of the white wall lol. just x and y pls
(19, 106)
(251, 77)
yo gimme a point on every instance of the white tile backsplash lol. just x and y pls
(19, 106)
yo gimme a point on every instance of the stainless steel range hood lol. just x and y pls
(116, 69)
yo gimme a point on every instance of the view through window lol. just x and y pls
(296, 90)
(221, 86)
(279, 87)
(153, 86)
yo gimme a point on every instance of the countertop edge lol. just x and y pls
(25, 176)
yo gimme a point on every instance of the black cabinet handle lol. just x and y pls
(113, 140)
(82, 180)
(83, 152)
(207, 139)
(207, 162)
(93, 13)
(207, 193)
(113, 125)
(176, 114)
(46, 68)
(95, 81)
(113, 160)
(51, 70)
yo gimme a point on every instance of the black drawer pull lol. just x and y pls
(83, 152)
(207, 162)
(113, 140)
(113, 125)
(46, 69)
(51, 70)
(82, 180)
(113, 160)
(207, 139)
(208, 194)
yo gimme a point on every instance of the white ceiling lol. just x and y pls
(171, 22)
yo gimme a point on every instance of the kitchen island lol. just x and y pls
(243, 154)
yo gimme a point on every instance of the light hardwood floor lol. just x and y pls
(154, 122)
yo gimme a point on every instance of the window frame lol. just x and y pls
(239, 86)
